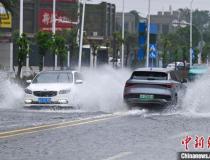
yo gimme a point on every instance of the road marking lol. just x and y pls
(180, 135)
(40, 128)
(118, 156)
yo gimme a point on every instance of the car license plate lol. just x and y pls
(145, 97)
(44, 100)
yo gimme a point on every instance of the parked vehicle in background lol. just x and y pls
(53, 88)
(156, 86)
(177, 65)
(196, 71)
(181, 67)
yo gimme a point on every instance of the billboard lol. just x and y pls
(63, 21)
(5, 18)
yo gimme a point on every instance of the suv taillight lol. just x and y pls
(129, 85)
(169, 85)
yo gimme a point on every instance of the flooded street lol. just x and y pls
(104, 80)
(135, 134)
(103, 128)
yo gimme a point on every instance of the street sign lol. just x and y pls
(153, 51)
(183, 24)
(5, 18)
(175, 23)
(193, 54)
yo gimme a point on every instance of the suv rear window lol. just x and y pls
(144, 75)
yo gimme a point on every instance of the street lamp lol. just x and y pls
(191, 32)
(81, 35)
(148, 34)
(54, 30)
(21, 18)
(123, 33)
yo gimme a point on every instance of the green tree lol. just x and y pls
(23, 50)
(131, 42)
(71, 41)
(44, 42)
(206, 52)
(165, 44)
(175, 46)
(118, 41)
(59, 48)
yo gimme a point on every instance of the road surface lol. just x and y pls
(77, 135)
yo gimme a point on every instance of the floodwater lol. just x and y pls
(103, 91)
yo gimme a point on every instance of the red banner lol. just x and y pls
(46, 18)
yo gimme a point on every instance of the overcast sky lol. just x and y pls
(157, 5)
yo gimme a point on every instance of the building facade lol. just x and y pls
(164, 21)
(37, 16)
(130, 22)
(100, 20)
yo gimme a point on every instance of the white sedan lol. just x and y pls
(53, 88)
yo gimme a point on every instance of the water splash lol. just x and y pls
(11, 94)
(103, 89)
(197, 97)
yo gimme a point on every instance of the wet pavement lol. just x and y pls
(129, 135)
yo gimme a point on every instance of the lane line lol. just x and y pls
(183, 134)
(118, 156)
(36, 129)
(51, 125)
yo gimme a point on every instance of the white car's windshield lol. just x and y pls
(54, 77)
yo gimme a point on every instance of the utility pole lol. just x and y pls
(20, 34)
(148, 34)
(54, 31)
(191, 32)
(81, 36)
(21, 18)
(123, 33)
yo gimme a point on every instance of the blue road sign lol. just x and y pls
(153, 51)
(193, 54)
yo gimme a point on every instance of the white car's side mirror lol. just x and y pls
(29, 81)
(79, 81)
